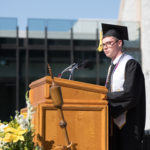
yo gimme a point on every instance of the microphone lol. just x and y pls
(72, 67)
(86, 64)
(69, 69)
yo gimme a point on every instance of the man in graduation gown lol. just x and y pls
(126, 92)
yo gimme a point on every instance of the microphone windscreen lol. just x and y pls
(86, 64)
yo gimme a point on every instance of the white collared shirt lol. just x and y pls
(117, 59)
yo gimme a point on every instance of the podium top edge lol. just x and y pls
(69, 83)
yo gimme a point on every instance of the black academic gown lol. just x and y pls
(132, 100)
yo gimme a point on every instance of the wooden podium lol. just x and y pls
(85, 111)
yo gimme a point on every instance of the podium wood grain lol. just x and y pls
(85, 111)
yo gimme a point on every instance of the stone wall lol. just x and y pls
(139, 10)
(145, 46)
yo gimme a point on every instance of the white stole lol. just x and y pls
(117, 81)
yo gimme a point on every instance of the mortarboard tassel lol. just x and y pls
(100, 47)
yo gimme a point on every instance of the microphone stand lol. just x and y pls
(70, 69)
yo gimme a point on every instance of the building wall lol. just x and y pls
(145, 45)
(139, 10)
(130, 10)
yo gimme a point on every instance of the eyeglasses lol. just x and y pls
(109, 44)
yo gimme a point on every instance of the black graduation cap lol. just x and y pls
(120, 32)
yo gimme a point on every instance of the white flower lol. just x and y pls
(29, 108)
(24, 123)
(2, 143)
(2, 126)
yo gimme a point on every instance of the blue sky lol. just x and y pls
(59, 9)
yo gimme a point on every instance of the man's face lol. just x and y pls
(112, 47)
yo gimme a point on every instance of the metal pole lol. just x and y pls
(46, 52)
(27, 61)
(71, 47)
(17, 68)
(97, 59)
